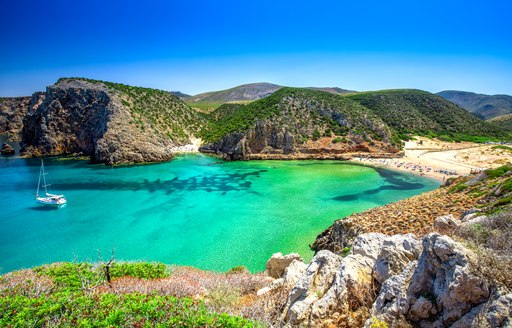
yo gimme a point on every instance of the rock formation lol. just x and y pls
(105, 122)
(278, 263)
(13, 112)
(403, 280)
(7, 149)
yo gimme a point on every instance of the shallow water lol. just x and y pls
(195, 210)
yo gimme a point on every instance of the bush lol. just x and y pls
(498, 172)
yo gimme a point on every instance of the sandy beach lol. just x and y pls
(441, 160)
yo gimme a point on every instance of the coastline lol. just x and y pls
(441, 160)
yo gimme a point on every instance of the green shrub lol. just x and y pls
(498, 172)
(143, 270)
(337, 140)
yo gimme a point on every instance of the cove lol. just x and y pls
(195, 210)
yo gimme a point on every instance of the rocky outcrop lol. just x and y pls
(439, 291)
(263, 138)
(402, 280)
(12, 113)
(89, 118)
(7, 150)
(278, 263)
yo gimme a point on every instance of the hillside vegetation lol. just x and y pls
(485, 106)
(503, 121)
(306, 114)
(134, 295)
(156, 110)
(415, 112)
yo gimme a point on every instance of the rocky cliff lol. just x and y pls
(13, 112)
(297, 123)
(393, 281)
(109, 122)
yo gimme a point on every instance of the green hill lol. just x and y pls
(412, 112)
(110, 122)
(294, 116)
(485, 106)
(503, 121)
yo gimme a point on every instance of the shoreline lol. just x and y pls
(392, 164)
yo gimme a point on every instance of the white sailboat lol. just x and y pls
(48, 198)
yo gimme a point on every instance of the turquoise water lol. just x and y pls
(195, 210)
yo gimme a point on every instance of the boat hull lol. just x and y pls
(51, 201)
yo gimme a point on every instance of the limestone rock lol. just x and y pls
(7, 149)
(441, 290)
(293, 272)
(278, 263)
(317, 278)
(475, 220)
(446, 222)
(396, 252)
(329, 281)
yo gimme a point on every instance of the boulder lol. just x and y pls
(446, 222)
(330, 281)
(7, 149)
(293, 272)
(396, 252)
(277, 264)
(314, 282)
(440, 291)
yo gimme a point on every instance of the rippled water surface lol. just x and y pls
(195, 210)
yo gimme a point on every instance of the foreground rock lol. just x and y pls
(7, 150)
(278, 263)
(111, 123)
(399, 280)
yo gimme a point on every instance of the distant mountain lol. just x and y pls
(180, 94)
(334, 90)
(485, 106)
(416, 112)
(253, 91)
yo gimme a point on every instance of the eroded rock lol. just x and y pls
(278, 263)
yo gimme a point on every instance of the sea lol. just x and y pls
(196, 210)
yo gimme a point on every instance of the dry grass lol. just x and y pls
(26, 283)
(490, 240)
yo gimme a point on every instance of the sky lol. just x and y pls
(197, 46)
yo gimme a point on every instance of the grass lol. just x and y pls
(490, 240)
(76, 294)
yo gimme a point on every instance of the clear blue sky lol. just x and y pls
(196, 46)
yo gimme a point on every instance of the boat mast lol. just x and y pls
(44, 179)
(39, 181)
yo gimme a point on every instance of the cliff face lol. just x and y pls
(297, 123)
(12, 113)
(97, 120)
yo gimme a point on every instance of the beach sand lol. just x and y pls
(441, 160)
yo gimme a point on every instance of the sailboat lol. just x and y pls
(48, 198)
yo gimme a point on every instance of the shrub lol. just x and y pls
(498, 172)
